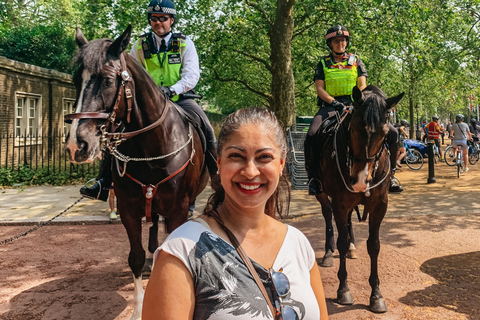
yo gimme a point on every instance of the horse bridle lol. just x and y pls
(351, 159)
(124, 90)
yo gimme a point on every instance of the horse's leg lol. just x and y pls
(344, 296)
(136, 260)
(327, 260)
(152, 245)
(377, 302)
(352, 251)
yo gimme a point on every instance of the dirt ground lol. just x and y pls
(429, 263)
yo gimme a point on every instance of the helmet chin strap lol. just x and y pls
(163, 35)
(339, 54)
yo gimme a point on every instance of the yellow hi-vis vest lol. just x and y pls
(340, 78)
(164, 67)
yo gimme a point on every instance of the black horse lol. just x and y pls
(355, 170)
(158, 159)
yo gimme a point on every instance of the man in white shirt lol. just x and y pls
(172, 61)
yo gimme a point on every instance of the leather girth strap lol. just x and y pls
(214, 214)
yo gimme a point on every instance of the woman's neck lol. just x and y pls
(242, 220)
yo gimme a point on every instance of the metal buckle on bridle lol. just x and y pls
(125, 75)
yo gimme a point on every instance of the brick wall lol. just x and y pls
(50, 86)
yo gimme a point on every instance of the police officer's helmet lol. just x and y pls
(337, 31)
(459, 117)
(473, 121)
(162, 6)
(404, 122)
(435, 118)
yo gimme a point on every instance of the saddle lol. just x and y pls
(197, 122)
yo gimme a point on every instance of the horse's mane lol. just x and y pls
(374, 105)
(95, 53)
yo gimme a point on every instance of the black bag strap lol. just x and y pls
(245, 259)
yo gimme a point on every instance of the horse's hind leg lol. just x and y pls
(377, 302)
(352, 251)
(136, 260)
(152, 245)
(327, 260)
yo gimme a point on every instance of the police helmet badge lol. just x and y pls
(339, 32)
(157, 8)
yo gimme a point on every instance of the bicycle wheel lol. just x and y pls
(414, 159)
(449, 156)
(473, 158)
(459, 170)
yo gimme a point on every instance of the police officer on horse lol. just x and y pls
(335, 77)
(172, 61)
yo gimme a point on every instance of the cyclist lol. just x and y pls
(403, 134)
(461, 133)
(433, 132)
(474, 129)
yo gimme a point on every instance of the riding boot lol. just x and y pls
(311, 151)
(100, 190)
(395, 187)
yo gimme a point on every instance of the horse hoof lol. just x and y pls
(344, 298)
(378, 305)
(352, 254)
(327, 262)
(147, 267)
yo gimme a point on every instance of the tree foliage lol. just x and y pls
(247, 49)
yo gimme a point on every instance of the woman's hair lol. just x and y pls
(279, 202)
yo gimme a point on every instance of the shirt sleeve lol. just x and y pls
(361, 70)
(190, 72)
(133, 51)
(319, 74)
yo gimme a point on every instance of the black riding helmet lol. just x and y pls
(337, 31)
(162, 6)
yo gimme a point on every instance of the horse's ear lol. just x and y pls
(121, 43)
(392, 102)
(80, 38)
(357, 94)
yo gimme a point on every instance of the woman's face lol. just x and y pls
(250, 165)
(339, 44)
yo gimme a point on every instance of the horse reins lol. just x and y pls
(375, 158)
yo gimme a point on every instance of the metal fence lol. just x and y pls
(40, 152)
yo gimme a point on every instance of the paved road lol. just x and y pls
(449, 195)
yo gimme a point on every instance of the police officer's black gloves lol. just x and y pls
(338, 105)
(166, 91)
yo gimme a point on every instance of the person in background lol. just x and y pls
(111, 203)
(461, 133)
(198, 274)
(433, 133)
(474, 129)
(403, 134)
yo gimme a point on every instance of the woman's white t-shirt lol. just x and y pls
(224, 288)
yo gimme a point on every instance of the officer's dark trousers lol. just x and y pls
(211, 156)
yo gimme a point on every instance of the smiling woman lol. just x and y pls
(237, 261)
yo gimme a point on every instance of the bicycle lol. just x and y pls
(413, 158)
(473, 154)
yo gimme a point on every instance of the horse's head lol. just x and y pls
(368, 128)
(97, 82)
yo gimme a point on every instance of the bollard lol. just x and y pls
(431, 162)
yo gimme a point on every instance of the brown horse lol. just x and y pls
(356, 170)
(118, 101)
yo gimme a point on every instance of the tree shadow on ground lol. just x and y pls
(75, 297)
(457, 287)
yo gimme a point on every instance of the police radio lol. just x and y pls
(146, 49)
(351, 60)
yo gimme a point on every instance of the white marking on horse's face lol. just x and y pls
(363, 176)
(72, 143)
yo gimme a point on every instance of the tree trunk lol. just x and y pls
(283, 84)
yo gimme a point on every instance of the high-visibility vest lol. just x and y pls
(340, 78)
(432, 131)
(164, 67)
